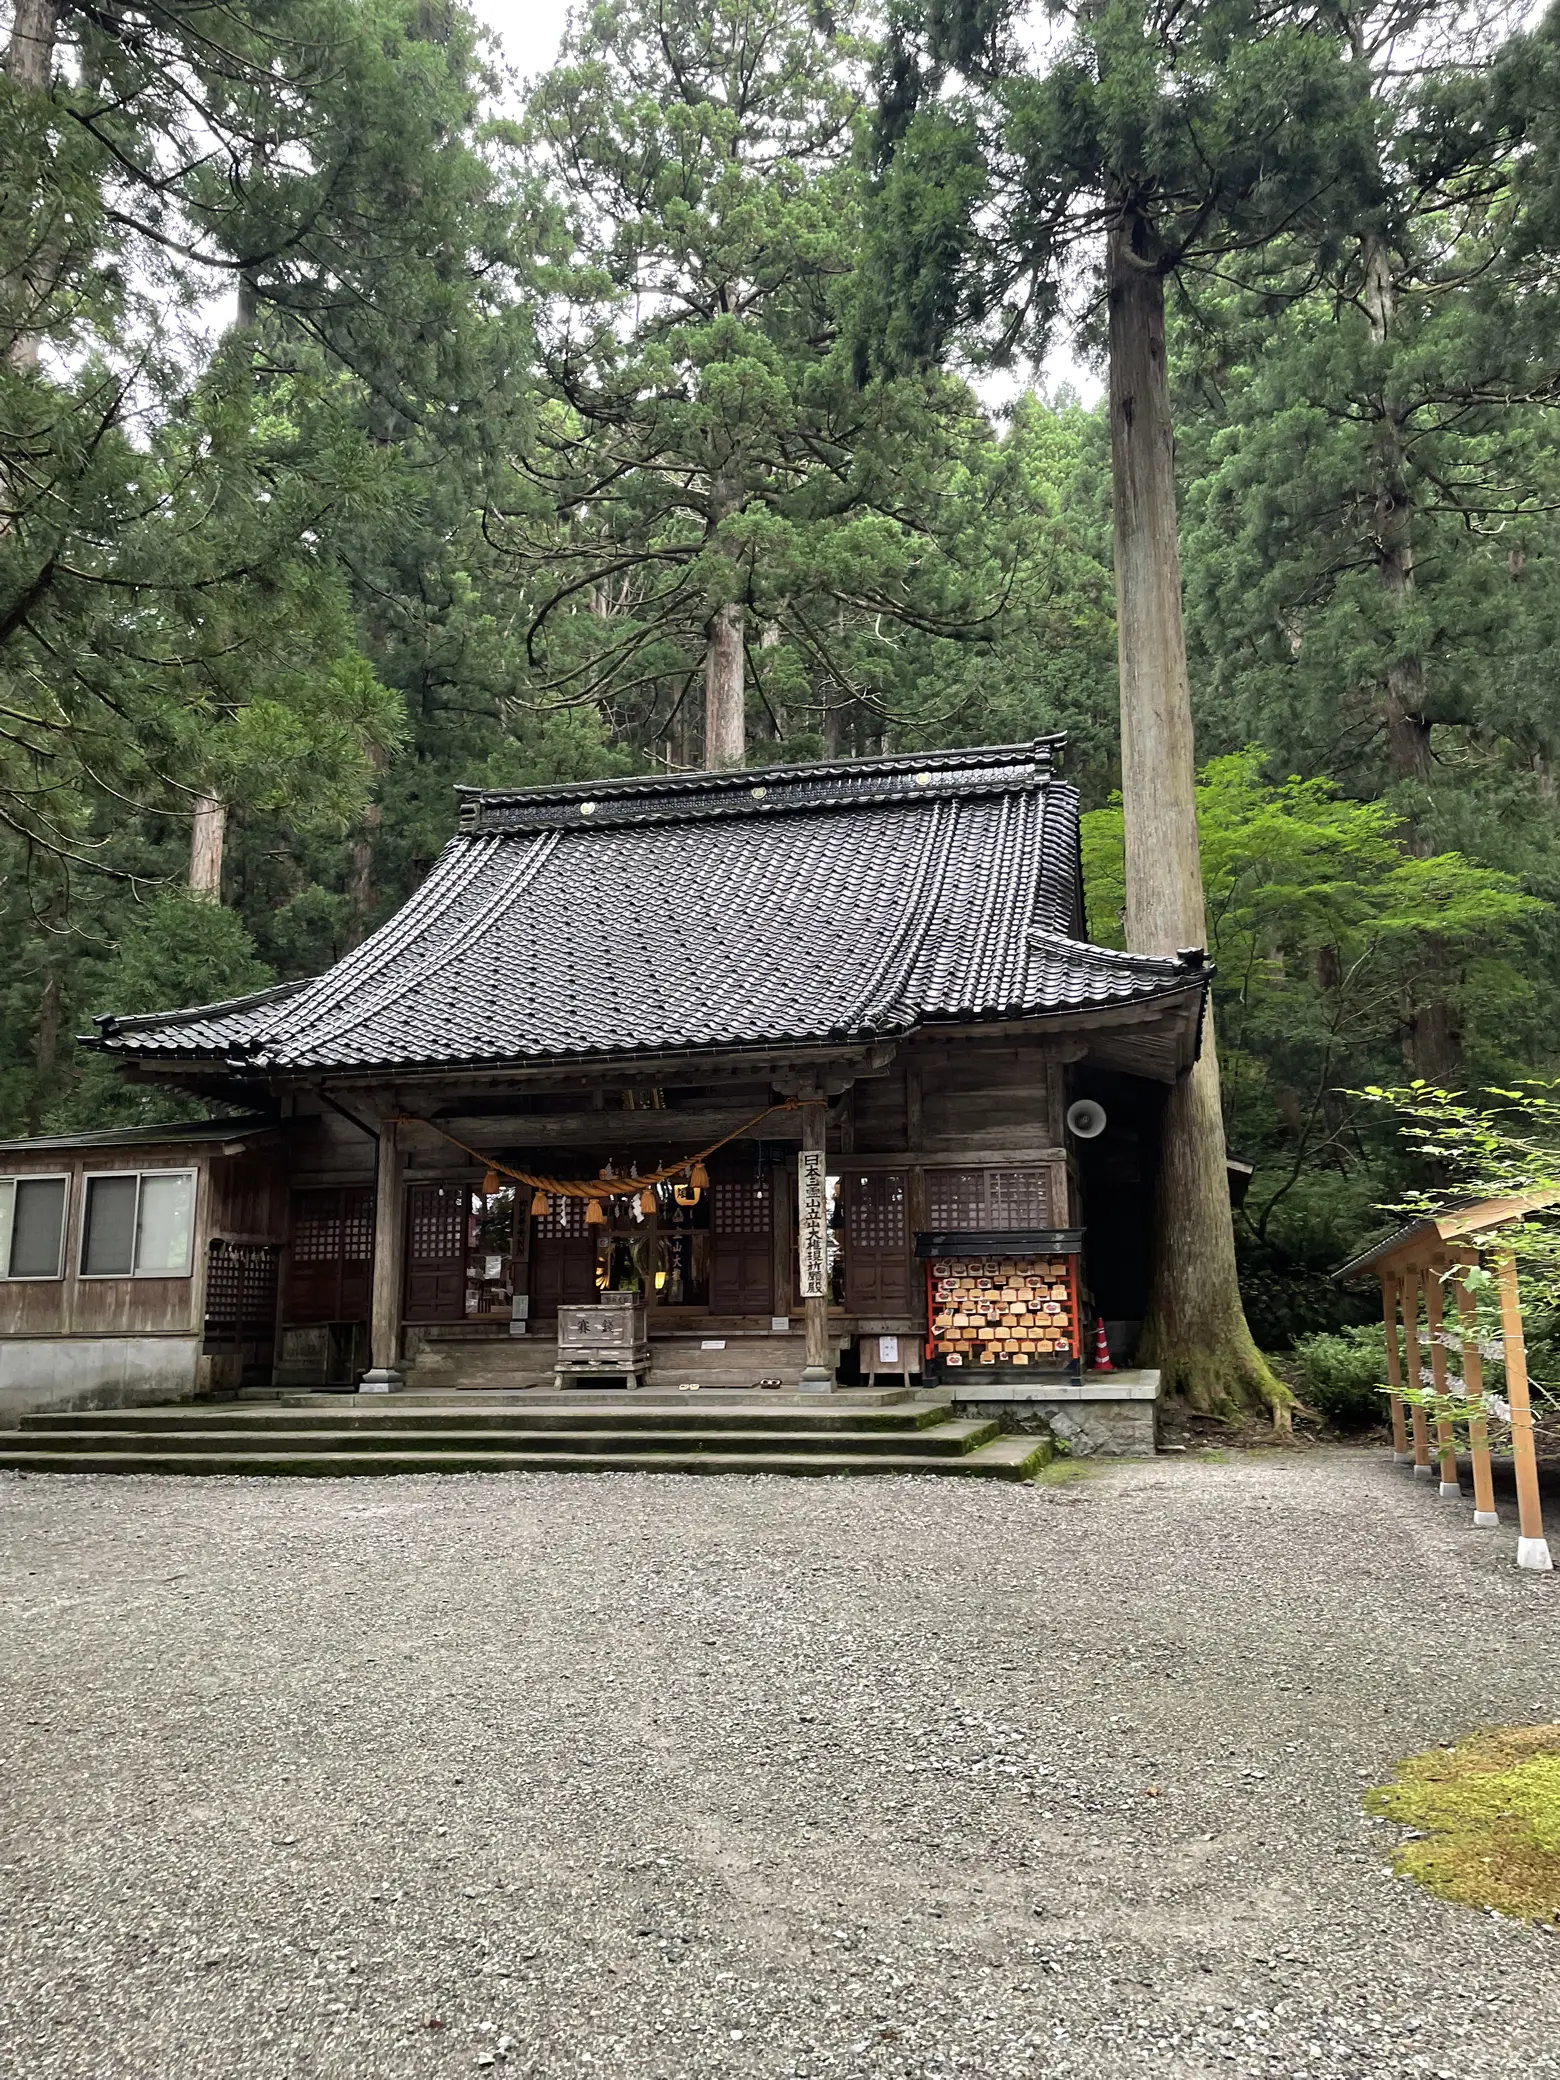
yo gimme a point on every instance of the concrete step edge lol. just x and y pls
(323, 1465)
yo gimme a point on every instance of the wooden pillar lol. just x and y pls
(385, 1326)
(1391, 1290)
(1484, 1511)
(650, 1246)
(1411, 1365)
(782, 1228)
(1445, 1436)
(818, 1370)
(1532, 1547)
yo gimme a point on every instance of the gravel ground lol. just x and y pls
(644, 1775)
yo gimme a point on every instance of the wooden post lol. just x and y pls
(818, 1371)
(1484, 1511)
(385, 1377)
(1532, 1547)
(1391, 1291)
(1411, 1366)
(1445, 1436)
(650, 1245)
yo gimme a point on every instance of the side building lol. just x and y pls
(589, 1055)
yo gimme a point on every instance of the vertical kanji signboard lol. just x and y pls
(813, 1223)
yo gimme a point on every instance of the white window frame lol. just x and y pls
(39, 1278)
(87, 1177)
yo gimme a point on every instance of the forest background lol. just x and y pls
(371, 423)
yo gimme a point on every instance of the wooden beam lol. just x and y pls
(385, 1376)
(1532, 1547)
(1484, 1512)
(674, 1129)
(1446, 1442)
(1391, 1297)
(1411, 1278)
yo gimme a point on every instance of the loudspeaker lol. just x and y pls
(1086, 1118)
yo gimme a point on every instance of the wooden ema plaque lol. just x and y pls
(1000, 1310)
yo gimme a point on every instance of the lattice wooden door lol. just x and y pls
(330, 1259)
(877, 1243)
(742, 1251)
(436, 1252)
(563, 1257)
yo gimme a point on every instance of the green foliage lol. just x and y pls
(710, 440)
(180, 950)
(1325, 928)
(505, 411)
(1343, 1375)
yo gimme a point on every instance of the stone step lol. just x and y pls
(392, 1412)
(1004, 1458)
(487, 1362)
(939, 1440)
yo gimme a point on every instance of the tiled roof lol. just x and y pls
(770, 907)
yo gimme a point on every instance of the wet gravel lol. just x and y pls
(644, 1775)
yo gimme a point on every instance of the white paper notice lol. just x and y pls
(717, 1344)
(813, 1223)
(888, 1350)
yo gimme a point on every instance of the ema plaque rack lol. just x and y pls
(1003, 1303)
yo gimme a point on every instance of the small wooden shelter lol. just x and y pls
(1416, 1267)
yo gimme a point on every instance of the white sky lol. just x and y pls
(530, 30)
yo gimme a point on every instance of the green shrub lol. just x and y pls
(1342, 1373)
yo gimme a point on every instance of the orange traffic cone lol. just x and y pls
(1101, 1359)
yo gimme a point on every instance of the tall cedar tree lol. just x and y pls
(1171, 137)
(184, 528)
(709, 470)
(1373, 469)
(176, 618)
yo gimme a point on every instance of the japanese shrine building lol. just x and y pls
(883, 960)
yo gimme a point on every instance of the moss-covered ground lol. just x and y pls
(1487, 1820)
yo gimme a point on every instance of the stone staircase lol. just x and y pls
(532, 1432)
(481, 1364)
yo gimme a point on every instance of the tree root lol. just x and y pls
(1224, 1380)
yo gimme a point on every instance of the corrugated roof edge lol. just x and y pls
(109, 1023)
(242, 1129)
(745, 790)
(1040, 751)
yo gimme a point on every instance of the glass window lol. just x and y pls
(139, 1224)
(108, 1240)
(162, 1242)
(32, 1227)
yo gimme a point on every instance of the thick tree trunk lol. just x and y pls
(46, 1051)
(361, 890)
(1407, 732)
(1196, 1328)
(725, 690)
(29, 60)
(361, 886)
(207, 837)
(1431, 1034)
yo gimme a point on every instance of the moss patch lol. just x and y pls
(1489, 1812)
(1056, 1473)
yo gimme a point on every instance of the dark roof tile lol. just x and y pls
(772, 907)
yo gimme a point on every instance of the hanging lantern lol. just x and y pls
(647, 1202)
(594, 1217)
(699, 1176)
(541, 1205)
(490, 1183)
